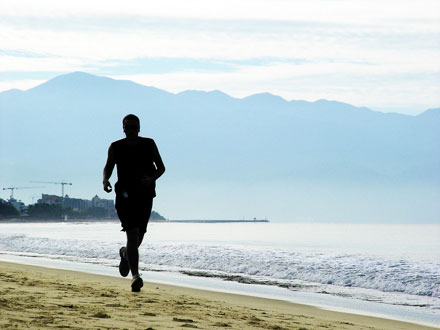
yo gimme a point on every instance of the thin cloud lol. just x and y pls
(313, 10)
(242, 48)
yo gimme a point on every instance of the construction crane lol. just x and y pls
(61, 183)
(13, 188)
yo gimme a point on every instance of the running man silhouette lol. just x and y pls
(139, 165)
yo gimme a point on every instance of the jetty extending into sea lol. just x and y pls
(212, 221)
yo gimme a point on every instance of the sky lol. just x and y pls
(384, 55)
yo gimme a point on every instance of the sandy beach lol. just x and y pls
(34, 297)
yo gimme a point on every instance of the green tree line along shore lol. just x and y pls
(54, 212)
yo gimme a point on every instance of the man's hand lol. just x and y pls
(107, 186)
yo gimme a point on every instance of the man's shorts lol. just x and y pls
(133, 210)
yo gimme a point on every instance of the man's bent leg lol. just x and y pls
(141, 237)
(133, 239)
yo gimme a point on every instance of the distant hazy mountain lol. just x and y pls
(230, 157)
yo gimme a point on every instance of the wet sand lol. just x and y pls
(34, 297)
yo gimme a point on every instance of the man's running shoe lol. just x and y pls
(124, 267)
(137, 284)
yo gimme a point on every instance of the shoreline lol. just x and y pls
(314, 299)
(83, 300)
(74, 220)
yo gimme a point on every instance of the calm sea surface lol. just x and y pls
(395, 266)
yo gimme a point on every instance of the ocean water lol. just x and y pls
(394, 267)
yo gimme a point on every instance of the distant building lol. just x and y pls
(18, 205)
(76, 204)
(50, 199)
(107, 204)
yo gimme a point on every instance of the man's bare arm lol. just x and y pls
(160, 167)
(108, 170)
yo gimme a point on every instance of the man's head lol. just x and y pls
(131, 125)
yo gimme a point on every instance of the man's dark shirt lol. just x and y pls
(134, 162)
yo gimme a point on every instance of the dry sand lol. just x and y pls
(41, 298)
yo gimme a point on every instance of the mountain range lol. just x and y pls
(229, 157)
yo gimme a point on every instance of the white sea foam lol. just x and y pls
(391, 277)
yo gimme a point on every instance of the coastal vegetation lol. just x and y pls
(7, 211)
(44, 211)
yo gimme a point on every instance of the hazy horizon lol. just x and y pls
(228, 158)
